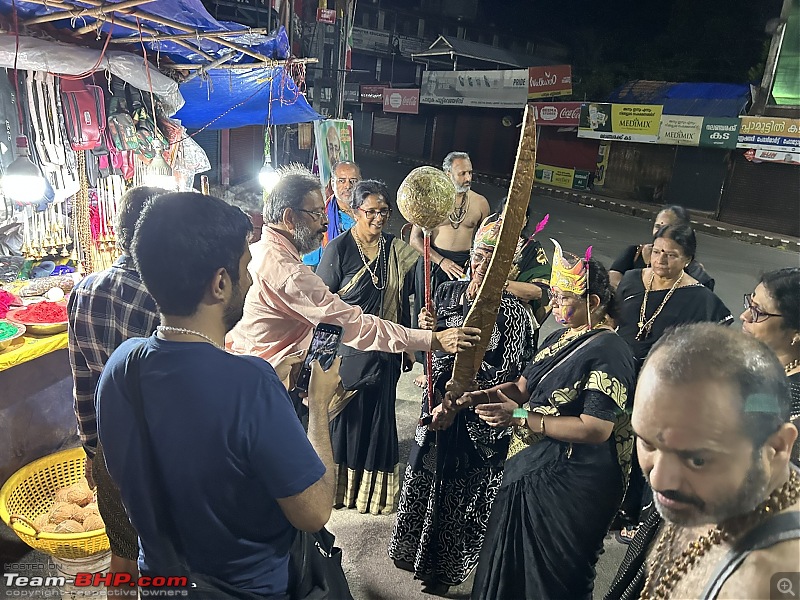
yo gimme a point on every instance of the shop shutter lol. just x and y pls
(639, 171)
(246, 153)
(411, 139)
(384, 133)
(762, 196)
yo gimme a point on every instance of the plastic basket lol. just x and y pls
(30, 492)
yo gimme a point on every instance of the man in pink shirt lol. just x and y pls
(287, 300)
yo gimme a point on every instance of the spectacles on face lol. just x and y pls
(372, 213)
(756, 314)
(318, 215)
(561, 299)
(343, 180)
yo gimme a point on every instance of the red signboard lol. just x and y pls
(401, 101)
(563, 114)
(545, 82)
(372, 94)
(326, 15)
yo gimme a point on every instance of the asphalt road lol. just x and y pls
(735, 265)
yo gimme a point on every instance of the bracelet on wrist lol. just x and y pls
(541, 426)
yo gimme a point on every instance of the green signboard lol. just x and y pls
(719, 132)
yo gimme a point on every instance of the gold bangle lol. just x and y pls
(541, 426)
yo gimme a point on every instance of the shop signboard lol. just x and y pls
(561, 114)
(351, 93)
(553, 80)
(409, 45)
(371, 40)
(326, 15)
(719, 132)
(372, 94)
(401, 101)
(492, 89)
(775, 134)
(620, 122)
(680, 130)
(334, 142)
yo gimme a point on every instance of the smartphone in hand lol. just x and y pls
(324, 347)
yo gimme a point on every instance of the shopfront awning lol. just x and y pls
(686, 99)
(463, 54)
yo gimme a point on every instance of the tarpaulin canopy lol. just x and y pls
(186, 41)
(267, 96)
(688, 99)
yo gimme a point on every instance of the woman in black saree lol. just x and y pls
(570, 450)
(453, 475)
(375, 270)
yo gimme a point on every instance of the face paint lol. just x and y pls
(565, 314)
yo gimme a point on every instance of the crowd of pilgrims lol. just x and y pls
(479, 490)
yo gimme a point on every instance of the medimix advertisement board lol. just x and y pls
(491, 89)
(620, 122)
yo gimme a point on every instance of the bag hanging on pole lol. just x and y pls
(84, 113)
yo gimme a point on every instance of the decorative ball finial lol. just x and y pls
(426, 197)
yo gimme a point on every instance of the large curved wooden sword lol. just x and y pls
(483, 313)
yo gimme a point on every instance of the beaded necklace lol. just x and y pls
(460, 212)
(665, 572)
(380, 263)
(646, 326)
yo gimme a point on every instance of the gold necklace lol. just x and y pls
(379, 261)
(184, 331)
(671, 568)
(459, 213)
(646, 326)
(363, 244)
(792, 365)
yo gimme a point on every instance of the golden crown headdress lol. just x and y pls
(569, 272)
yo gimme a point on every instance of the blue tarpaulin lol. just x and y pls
(228, 97)
(265, 94)
(687, 99)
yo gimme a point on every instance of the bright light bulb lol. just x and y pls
(268, 176)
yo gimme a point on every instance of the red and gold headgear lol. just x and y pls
(488, 234)
(569, 272)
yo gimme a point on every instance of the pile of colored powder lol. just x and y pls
(6, 300)
(43, 312)
(7, 330)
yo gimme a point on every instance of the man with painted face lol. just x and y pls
(344, 176)
(714, 440)
(438, 537)
(287, 300)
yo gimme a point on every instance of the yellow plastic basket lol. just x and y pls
(30, 492)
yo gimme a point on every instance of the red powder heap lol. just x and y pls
(43, 312)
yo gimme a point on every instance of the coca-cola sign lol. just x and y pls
(562, 114)
(545, 82)
(401, 101)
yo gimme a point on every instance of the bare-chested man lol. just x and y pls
(451, 241)
(714, 438)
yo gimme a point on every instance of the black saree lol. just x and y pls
(440, 535)
(557, 499)
(364, 433)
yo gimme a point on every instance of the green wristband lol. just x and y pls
(520, 413)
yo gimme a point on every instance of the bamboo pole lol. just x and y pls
(80, 12)
(191, 36)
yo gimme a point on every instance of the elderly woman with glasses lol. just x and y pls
(772, 315)
(373, 269)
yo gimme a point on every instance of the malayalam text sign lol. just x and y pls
(401, 101)
(492, 89)
(719, 132)
(769, 133)
(620, 122)
(680, 130)
(545, 82)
